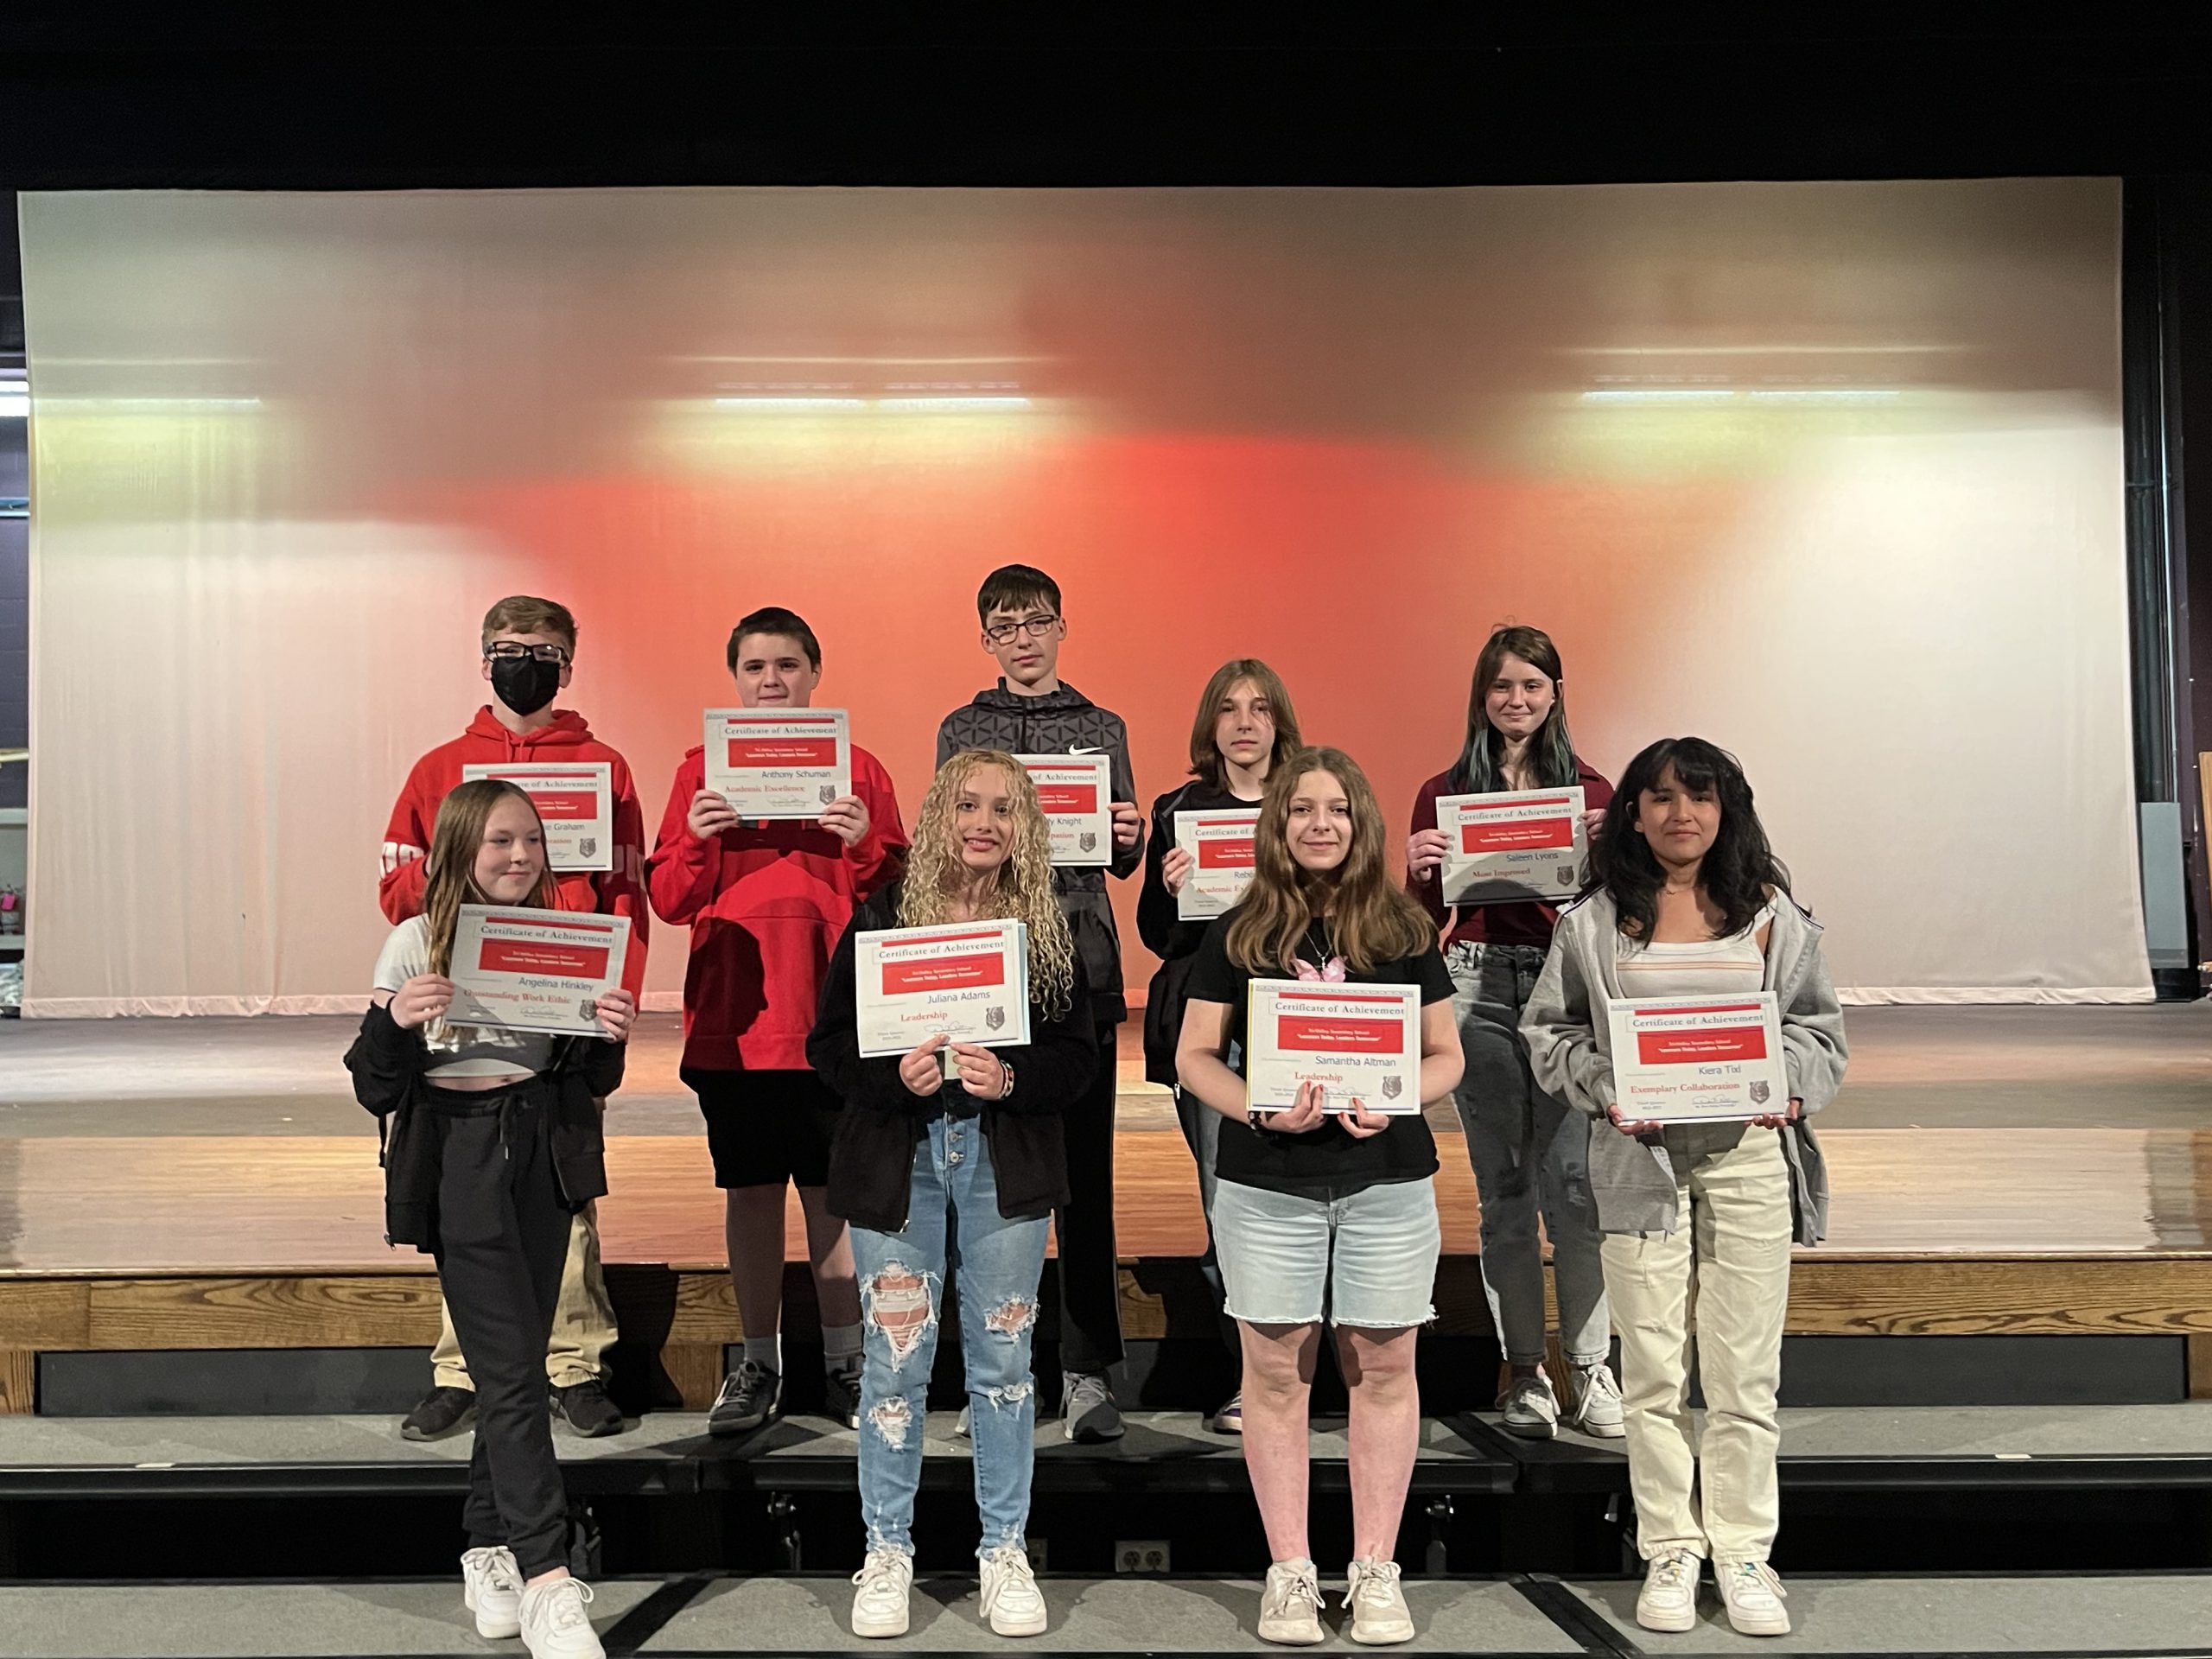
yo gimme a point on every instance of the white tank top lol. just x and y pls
(1702, 967)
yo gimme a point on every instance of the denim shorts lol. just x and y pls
(1367, 1259)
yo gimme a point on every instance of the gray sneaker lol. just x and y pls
(1530, 1408)
(750, 1396)
(1597, 1402)
(1088, 1405)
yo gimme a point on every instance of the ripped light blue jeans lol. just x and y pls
(953, 1223)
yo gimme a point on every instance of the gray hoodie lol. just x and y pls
(1569, 1041)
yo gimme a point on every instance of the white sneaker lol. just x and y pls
(879, 1604)
(1377, 1603)
(491, 1588)
(1290, 1605)
(1530, 1408)
(1752, 1592)
(1011, 1599)
(1668, 1599)
(1597, 1408)
(554, 1623)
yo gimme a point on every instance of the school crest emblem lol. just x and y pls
(1088, 841)
(587, 1008)
(1393, 1087)
(1566, 875)
(1761, 1092)
(588, 845)
(828, 793)
(995, 1019)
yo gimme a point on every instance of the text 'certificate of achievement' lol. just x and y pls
(575, 800)
(1076, 792)
(535, 969)
(1521, 845)
(779, 763)
(1698, 1059)
(1220, 846)
(967, 981)
(1358, 1042)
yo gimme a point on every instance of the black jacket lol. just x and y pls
(1167, 934)
(388, 1063)
(872, 1157)
(1063, 722)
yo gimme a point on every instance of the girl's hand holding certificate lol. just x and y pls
(978, 1070)
(1308, 1113)
(618, 1012)
(421, 1000)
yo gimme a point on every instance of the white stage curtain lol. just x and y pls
(1830, 473)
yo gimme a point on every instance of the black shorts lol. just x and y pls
(766, 1128)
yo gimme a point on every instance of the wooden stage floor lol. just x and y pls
(211, 1185)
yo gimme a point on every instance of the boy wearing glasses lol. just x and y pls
(1030, 711)
(529, 646)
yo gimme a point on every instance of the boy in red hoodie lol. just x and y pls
(766, 903)
(529, 647)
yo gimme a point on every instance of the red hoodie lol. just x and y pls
(767, 904)
(617, 891)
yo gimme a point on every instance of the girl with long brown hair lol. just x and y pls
(921, 1167)
(492, 1144)
(1323, 1214)
(1243, 728)
(1530, 1154)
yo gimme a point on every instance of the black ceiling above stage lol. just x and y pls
(386, 100)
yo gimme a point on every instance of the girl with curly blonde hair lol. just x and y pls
(918, 1161)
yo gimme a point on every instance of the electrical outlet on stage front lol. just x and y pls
(1141, 1555)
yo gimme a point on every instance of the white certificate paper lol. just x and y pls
(535, 969)
(576, 802)
(1697, 1059)
(967, 981)
(1220, 846)
(779, 763)
(1524, 843)
(1077, 793)
(1358, 1042)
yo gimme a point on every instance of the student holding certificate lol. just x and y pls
(924, 1167)
(1031, 712)
(529, 648)
(766, 901)
(1322, 1208)
(1689, 903)
(492, 1144)
(1530, 1154)
(1244, 725)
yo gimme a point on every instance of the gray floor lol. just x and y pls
(2140, 1067)
(2086, 1615)
(1997, 1432)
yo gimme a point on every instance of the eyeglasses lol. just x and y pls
(511, 650)
(1003, 633)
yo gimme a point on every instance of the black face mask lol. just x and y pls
(525, 684)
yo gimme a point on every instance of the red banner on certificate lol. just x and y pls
(1357, 1043)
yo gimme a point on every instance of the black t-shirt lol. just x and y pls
(1324, 1162)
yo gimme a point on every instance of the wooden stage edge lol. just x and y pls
(685, 1315)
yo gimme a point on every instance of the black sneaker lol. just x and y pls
(841, 1393)
(585, 1408)
(440, 1412)
(1087, 1405)
(750, 1396)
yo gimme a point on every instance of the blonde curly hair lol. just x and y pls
(1024, 892)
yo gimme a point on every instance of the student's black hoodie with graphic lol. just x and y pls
(1063, 722)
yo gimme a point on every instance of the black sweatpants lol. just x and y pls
(503, 1236)
(1088, 1264)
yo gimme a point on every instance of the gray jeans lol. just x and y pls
(1530, 1154)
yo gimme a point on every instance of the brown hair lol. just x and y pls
(523, 613)
(1206, 760)
(449, 873)
(1373, 920)
(775, 619)
(1013, 585)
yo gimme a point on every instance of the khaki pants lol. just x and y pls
(583, 1320)
(1724, 1273)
